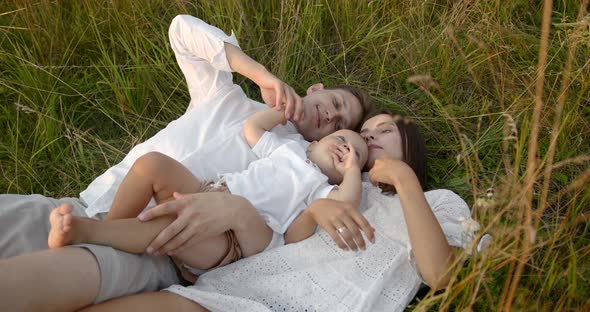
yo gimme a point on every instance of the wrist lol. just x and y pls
(309, 212)
(353, 169)
(401, 173)
(241, 212)
(258, 73)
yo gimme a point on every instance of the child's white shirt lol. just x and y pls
(282, 183)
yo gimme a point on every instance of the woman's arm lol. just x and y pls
(331, 215)
(429, 244)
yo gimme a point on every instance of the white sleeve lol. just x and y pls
(268, 143)
(200, 53)
(454, 217)
(320, 191)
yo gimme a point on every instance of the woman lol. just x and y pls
(414, 232)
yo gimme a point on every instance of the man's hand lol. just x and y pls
(276, 93)
(199, 216)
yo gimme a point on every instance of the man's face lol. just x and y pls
(326, 111)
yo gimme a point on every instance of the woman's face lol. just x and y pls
(383, 138)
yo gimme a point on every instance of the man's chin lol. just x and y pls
(303, 130)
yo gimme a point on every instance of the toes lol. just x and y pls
(65, 208)
(66, 222)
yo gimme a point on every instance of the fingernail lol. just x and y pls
(141, 217)
(170, 253)
(149, 250)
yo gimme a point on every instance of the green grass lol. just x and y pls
(81, 82)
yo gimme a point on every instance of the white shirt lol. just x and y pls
(316, 275)
(282, 182)
(207, 138)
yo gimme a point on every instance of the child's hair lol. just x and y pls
(413, 147)
(366, 102)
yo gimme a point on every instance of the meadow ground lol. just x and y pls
(500, 89)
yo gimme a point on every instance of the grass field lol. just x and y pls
(503, 105)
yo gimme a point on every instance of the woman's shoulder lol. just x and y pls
(447, 200)
(443, 194)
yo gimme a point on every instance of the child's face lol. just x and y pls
(322, 152)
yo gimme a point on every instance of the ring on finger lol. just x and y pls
(341, 229)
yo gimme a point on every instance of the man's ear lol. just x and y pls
(315, 87)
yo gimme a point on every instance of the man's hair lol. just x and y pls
(367, 106)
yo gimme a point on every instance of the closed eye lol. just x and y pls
(336, 104)
(342, 139)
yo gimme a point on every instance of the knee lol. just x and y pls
(150, 164)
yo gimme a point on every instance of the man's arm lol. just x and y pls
(275, 93)
(208, 214)
(200, 52)
(206, 56)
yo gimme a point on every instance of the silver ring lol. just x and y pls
(341, 230)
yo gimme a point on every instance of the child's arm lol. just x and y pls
(350, 188)
(134, 236)
(349, 191)
(261, 122)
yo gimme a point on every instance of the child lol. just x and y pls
(288, 176)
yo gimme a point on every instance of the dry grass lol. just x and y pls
(501, 90)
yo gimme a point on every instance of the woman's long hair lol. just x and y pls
(413, 147)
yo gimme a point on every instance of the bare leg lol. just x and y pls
(155, 301)
(153, 174)
(49, 280)
(130, 235)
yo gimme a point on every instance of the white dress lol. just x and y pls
(315, 275)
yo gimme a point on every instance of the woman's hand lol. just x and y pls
(276, 93)
(198, 216)
(342, 222)
(388, 171)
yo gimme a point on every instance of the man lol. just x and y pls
(206, 139)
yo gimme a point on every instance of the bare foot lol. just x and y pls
(61, 224)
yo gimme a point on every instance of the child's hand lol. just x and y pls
(345, 157)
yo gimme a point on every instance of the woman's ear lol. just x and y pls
(313, 88)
